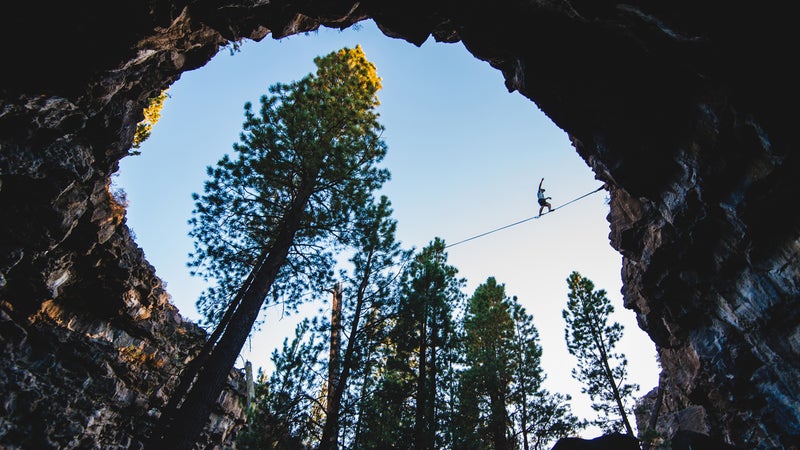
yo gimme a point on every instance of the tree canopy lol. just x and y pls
(317, 139)
(305, 164)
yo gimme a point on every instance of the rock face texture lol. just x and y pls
(681, 108)
(93, 363)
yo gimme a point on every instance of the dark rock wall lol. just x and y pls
(92, 365)
(681, 107)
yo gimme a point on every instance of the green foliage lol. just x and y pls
(368, 299)
(305, 162)
(421, 349)
(415, 380)
(488, 329)
(152, 112)
(591, 337)
(286, 406)
(502, 403)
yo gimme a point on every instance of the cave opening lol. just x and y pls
(465, 156)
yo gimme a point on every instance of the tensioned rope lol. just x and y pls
(524, 220)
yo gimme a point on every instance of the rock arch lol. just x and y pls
(682, 109)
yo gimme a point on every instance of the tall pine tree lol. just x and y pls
(304, 164)
(502, 402)
(488, 333)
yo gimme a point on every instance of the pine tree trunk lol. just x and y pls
(610, 378)
(194, 412)
(422, 394)
(189, 373)
(497, 417)
(331, 429)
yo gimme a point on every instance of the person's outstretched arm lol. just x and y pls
(540, 183)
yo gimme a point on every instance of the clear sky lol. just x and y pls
(465, 155)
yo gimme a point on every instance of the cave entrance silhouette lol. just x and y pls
(465, 154)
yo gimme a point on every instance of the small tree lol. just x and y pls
(591, 337)
(152, 112)
(282, 415)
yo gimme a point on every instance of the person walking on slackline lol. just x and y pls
(542, 199)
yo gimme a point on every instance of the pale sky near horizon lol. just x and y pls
(465, 156)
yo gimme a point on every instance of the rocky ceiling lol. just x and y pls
(682, 108)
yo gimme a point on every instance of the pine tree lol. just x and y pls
(305, 163)
(426, 307)
(419, 350)
(283, 416)
(488, 331)
(369, 288)
(591, 337)
(502, 400)
(540, 416)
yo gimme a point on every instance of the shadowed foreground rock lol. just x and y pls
(683, 109)
(615, 441)
(690, 440)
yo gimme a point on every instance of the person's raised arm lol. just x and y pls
(540, 184)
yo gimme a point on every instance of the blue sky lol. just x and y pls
(465, 156)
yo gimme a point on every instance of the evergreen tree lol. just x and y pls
(369, 289)
(502, 401)
(285, 409)
(488, 331)
(419, 352)
(591, 337)
(540, 416)
(305, 163)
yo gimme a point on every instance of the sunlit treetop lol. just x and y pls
(152, 112)
(309, 154)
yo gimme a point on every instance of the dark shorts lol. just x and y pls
(542, 202)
